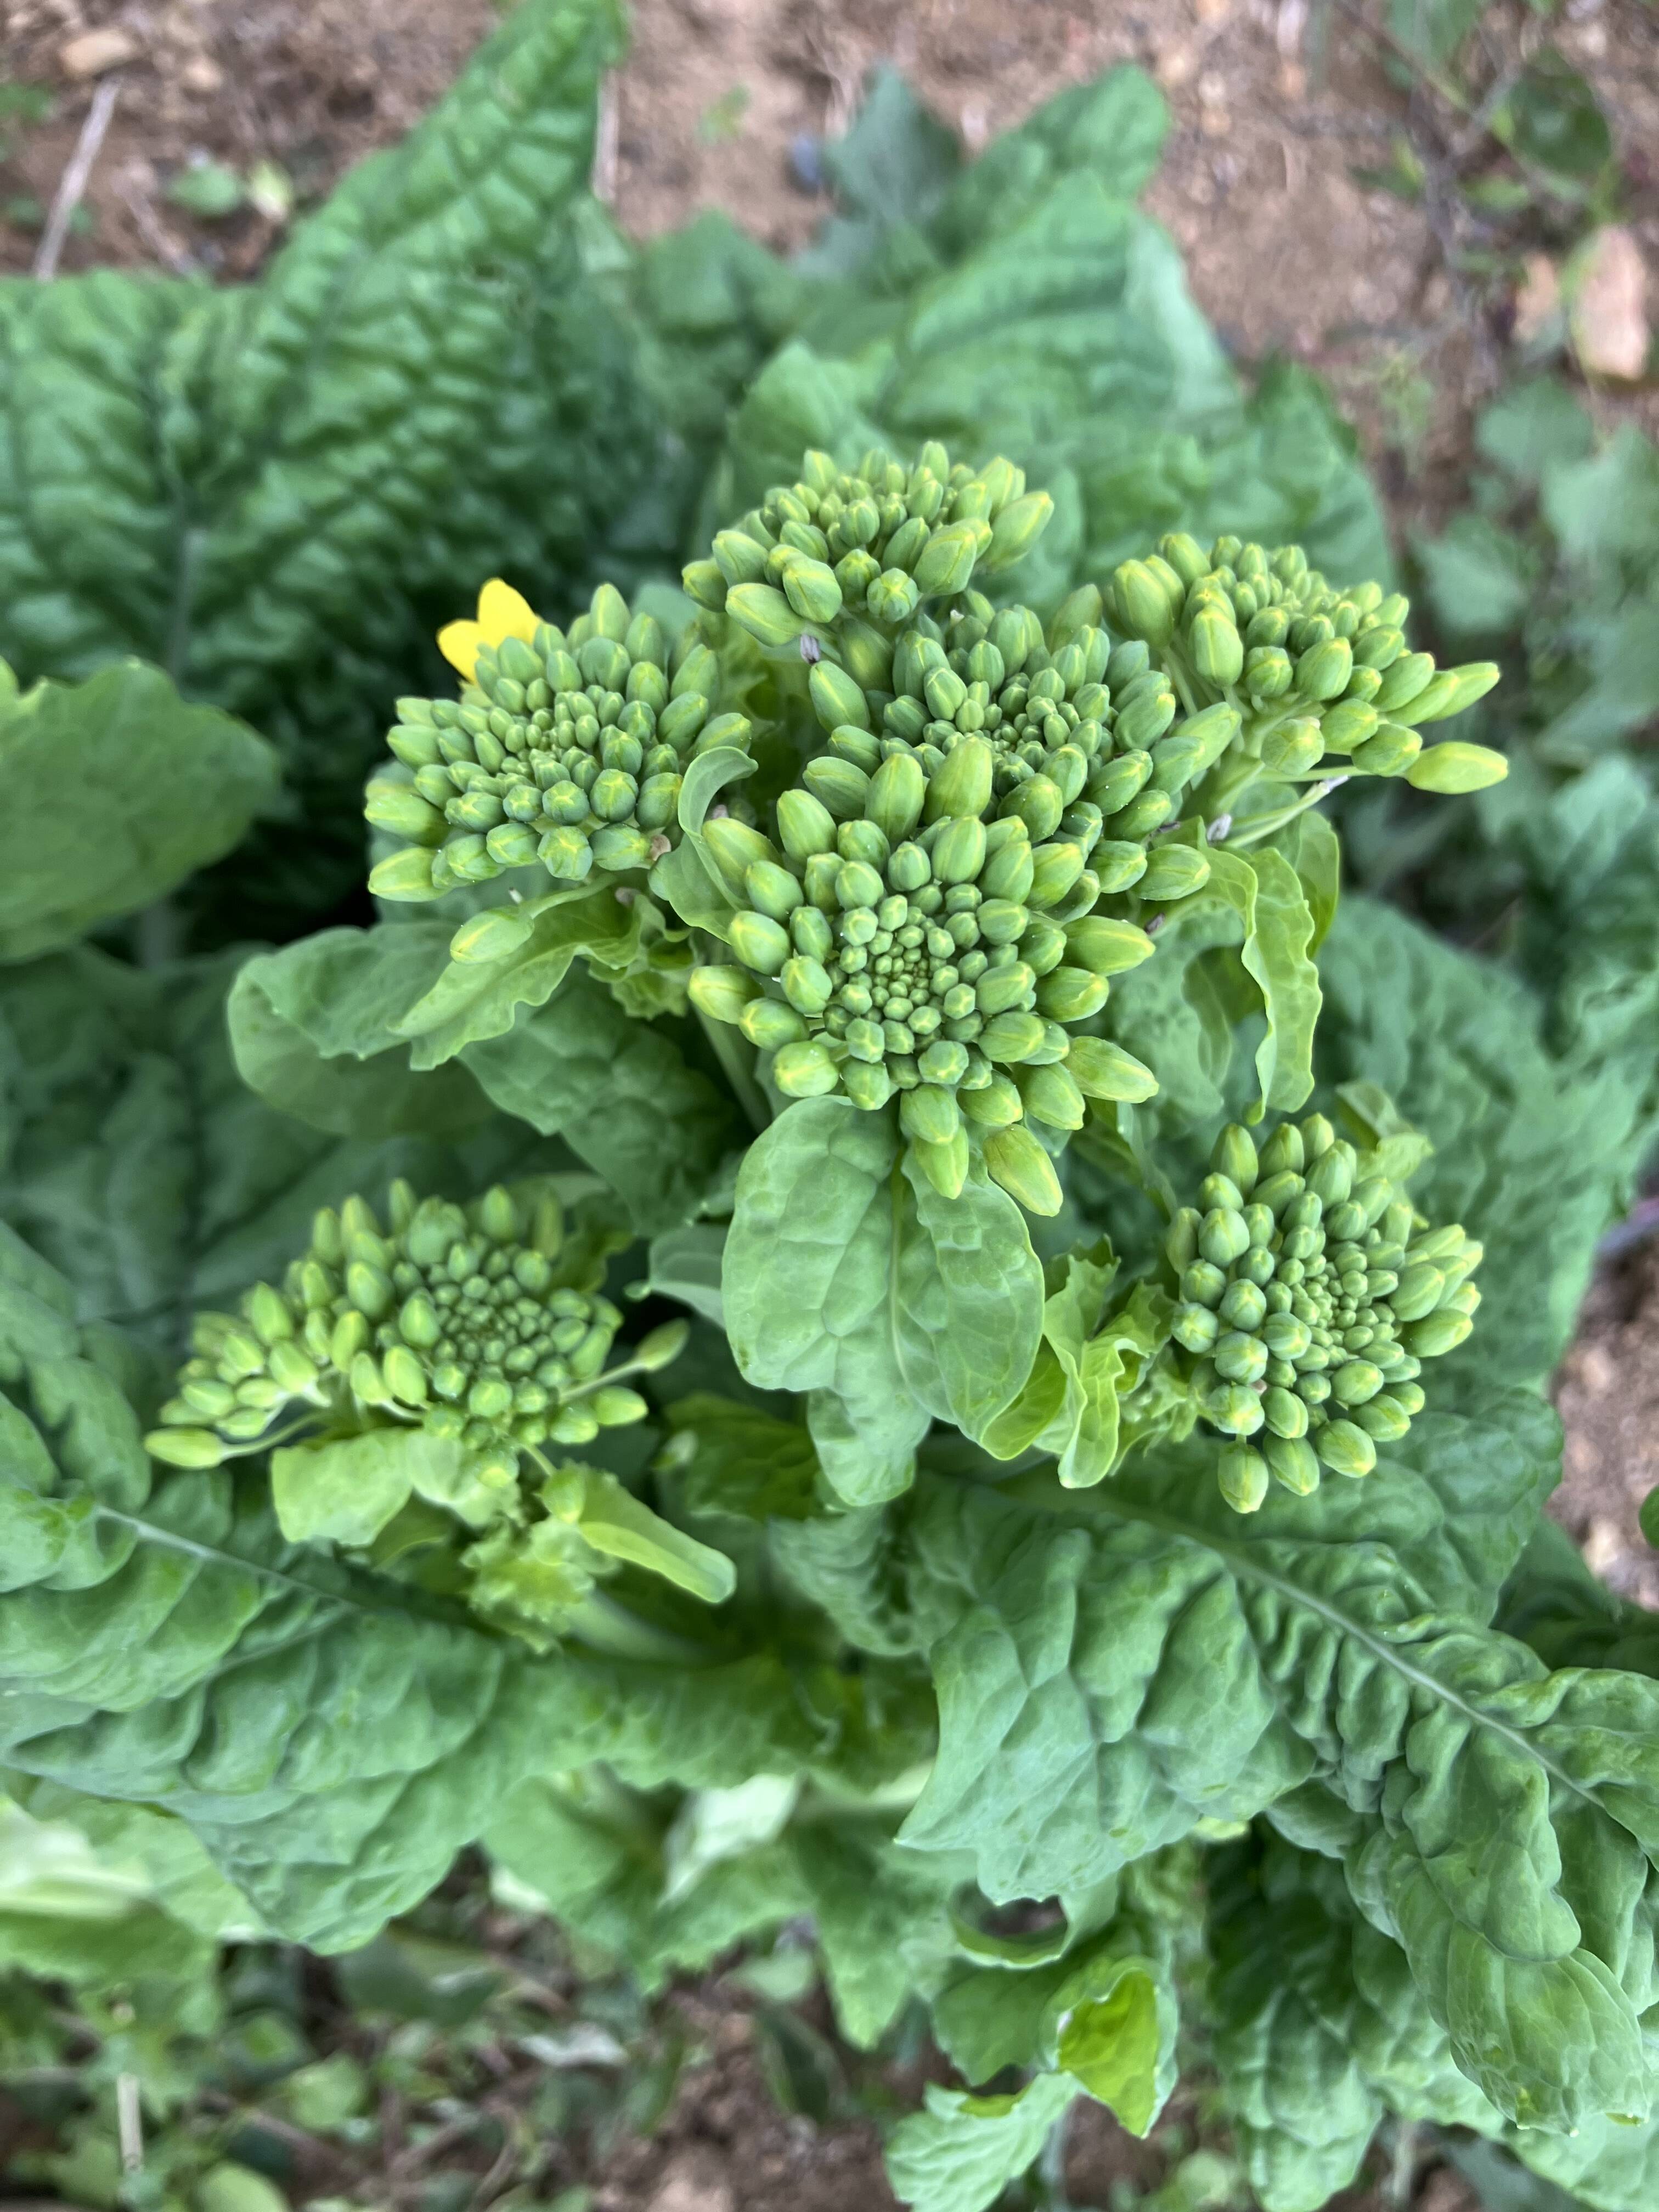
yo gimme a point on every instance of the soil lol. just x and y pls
(1412, 315)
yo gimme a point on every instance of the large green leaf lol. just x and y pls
(133, 1156)
(1113, 1670)
(277, 492)
(312, 1030)
(116, 791)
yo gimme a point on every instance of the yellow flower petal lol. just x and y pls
(504, 613)
(459, 642)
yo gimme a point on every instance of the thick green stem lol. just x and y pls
(603, 1626)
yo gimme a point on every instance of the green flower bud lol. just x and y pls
(946, 1166)
(1241, 1474)
(947, 560)
(812, 589)
(765, 613)
(1141, 602)
(722, 991)
(1293, 747)
(1218, 651)
(1294, 1463)
(769, 1026)
(837, 698)
(1105, 946)
(1344, 1448)
(840, 788)
(1016, 1161)
(1436, 1333)
(1102, 1069)
(898, 791)
(1011, 1037)
(405, 875)
(759, 942)
(962, 785)
(1390, 752)
(1173, 872)
(803, 1070)
(1050, 1095)
(1323, 672)
(1452, 767)
(1015, 528)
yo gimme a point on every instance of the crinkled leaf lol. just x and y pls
(620, 1093)
(1529, 1155)
(143, 1167)
(280, 491)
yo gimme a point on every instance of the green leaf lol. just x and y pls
(1114, 2032)
(1070, 1403)
(620, 1094)
(966, 1299)
(960, 2154)
(685, 1264)
(806, 1289)
(746, 1462)
(1434, 29)
(1301, 2106)
(345, 1491)
(330, 1739)
(140, 1165)
(312, 1030)
(1482, 579)
(1266, 893)
(1037, 1643)
(1314, 851)
(473, 1000)
(1552, 118)
(117, 790)
(848, 1278)
(1530, 1155)
(280, 491)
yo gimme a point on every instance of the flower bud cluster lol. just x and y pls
(1317, 672)
(1309, 1295)
(894, 942)
(1083, 736)
(567, 750)
(872, 543)
(460, 1320)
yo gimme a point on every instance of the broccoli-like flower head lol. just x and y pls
(477, 1324)
(1083, 736)
(406, 1380)
(1315, 671)
(566, 748)
(1310, 1294)
(866, 546)
(894, 944)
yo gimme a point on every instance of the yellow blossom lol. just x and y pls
(502, 613)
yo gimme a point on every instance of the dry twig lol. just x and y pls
(72, 186)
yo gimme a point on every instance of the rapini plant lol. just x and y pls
(1005, 1187)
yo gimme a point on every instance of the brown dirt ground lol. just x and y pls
(1275, 104)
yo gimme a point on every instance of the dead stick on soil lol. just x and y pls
(73, 184)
